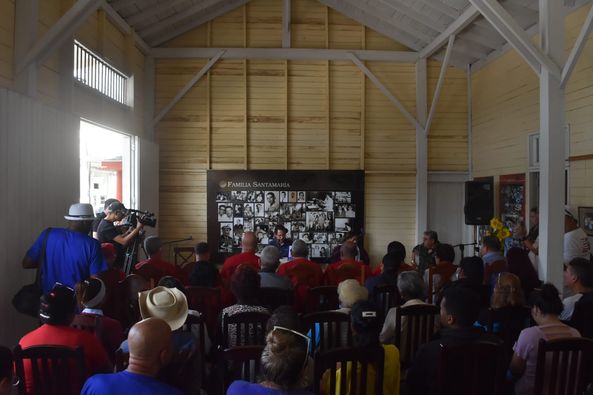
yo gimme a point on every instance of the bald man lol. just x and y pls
(150, 349)
(246, 257)
(347, 267)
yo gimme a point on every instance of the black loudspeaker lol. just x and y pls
(479, 202)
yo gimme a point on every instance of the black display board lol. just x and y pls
(319, 207)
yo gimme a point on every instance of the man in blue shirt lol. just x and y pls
(280, 241)
(150, 350)
(71, 255)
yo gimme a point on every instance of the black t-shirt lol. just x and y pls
(106, 232)
(97, 221)
(205, 274)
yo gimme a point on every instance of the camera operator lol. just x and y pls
(102, 215)
(108, 233)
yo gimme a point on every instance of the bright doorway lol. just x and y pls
(106, 165)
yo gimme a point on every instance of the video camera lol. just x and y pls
(144, 217)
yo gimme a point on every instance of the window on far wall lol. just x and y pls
(93, 71)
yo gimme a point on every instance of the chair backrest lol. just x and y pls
(414, 326)
(444, 272)
(564, 366)
(273, 297)
(191, 322)
(386, 296)
(507, 324)
(52, 370)
(472, 368)
(150, 274)
(207, 301)
(324, 298)
(184, 256)
(355, 381)
(239, 363)
(127, 296)
(329, 330)
(494, 268)
(86, 322)
(244, 329)
(581, 318)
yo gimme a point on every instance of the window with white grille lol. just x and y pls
(91, 70)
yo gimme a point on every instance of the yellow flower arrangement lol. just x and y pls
(498, 229)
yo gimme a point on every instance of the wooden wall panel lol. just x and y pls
(344, 32)
(228, 30)
(6, 43)
(264, 24)
(390, 138)
(447, 140)
(308, 24)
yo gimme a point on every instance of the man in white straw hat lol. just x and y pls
(67, 255)
(170, 305)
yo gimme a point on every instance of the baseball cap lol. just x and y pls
(117, 207)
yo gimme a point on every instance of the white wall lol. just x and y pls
(39, 179)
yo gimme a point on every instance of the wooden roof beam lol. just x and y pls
(454, 28)
(151, 12)
(577, 49)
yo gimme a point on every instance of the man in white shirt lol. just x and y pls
(576, 243)
(578, 277)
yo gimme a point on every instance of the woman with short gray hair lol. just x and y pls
(412, 289)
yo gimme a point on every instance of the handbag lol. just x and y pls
(27, 299)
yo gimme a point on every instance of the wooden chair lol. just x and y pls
(183, 256)
(358, 361)
(207, 301)
(239, 363)
(53, 370)
(494, 268)
(507, 324)
(329, 330)
(564, 366)
(444, 272)
(272, 297)
(416, 330)
(86, 322)
(191, 322)
(249, 329)
(472, 368)
(324, 298)
(128, 310)
(385, 297)
(581, 318)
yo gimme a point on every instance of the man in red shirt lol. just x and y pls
(246, 257)
(56, 314)
(347, 267)
(155, 266)
(303, 273)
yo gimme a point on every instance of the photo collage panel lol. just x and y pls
(320, 219)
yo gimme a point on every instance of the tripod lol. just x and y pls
(132, 252)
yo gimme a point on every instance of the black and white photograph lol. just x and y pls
(298, 226)
(345, 211)
(239, 196)
(286, 210)
(226, 239)
(306, 237)
(260, 221)
(343, 197)
(259, 210)
(320, 201)
(320, 238)
(222, 212)
(301, 197)
(238, 210)
(288, 226)
(283, 196)
(247, 225)
(261, 233)
(273, 218)
(320, 251)
(223, 197)
(343, 225)
(321, 221)
(237, 232)
(248, 211)
(272, 202)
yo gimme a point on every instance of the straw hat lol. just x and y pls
(168, 304)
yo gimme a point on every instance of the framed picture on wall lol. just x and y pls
(586, 219)
(511, 201)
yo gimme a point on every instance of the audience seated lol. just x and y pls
(365, 324)
(350, 292)
(490, 252)
(471, 275)
(283, 365)
(245, 285)
(412, 290)
(270, 260)
(459, 310)
(423, 254)
(150, 349)
(169, 305)
(520, 265)
(347, 267)
(360, 255)
(6, 374)
(153, 247)
(546, 306)
(204, 273)
(388, 270)
(444, 256)
(578, 277)
(246, 257)
(303, 273)
(110, 331)
(111, 277)
(56, 312)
